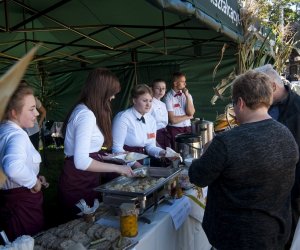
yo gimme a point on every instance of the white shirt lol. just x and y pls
(82, 136)
(128, 130)
(177, 104)
(19, 159)
(160, 113)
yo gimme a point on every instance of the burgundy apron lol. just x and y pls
(140, 150)
(21, 212)
(163, 138)
(75, 184)
(177, 130)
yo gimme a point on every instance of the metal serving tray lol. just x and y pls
(145, 199)
(156, 172)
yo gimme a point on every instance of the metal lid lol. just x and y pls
(187, 138)
(128, 208)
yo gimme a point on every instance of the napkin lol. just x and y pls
(170, 153)
(24, 242)
(85, 208)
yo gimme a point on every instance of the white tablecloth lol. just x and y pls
(161, 233)
(296, 239)
(191, 235)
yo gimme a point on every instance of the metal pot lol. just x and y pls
(203, 128)
(188, 145)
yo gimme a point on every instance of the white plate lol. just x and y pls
(133, 155)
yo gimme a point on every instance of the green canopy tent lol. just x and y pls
(139, 40)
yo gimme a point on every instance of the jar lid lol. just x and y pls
(127, 206)
(128, 209)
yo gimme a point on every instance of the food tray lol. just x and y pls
(152, 172)
(133, 155)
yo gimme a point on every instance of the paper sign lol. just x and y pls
(179, 211)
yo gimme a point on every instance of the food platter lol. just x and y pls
(164, 174)
(153, 190)
(130, 157)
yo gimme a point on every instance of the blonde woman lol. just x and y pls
(21, 197)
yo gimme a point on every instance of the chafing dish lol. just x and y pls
(143, 199)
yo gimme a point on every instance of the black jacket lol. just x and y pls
(250, 171)
(289, 115)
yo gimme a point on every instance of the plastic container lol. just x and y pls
(128, 220)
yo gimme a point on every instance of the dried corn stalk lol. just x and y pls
(221, 87)
(250, 55)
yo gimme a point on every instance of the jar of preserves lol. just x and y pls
(128, 220)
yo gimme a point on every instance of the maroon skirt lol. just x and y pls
(173, 131)
(75, 184)
(21, 212)
(163, 138)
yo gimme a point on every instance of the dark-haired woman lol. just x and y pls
(21, 197)
(87, 129)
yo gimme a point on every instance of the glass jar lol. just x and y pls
(128, 220)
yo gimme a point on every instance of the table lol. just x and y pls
(191, 234)
(161, 233)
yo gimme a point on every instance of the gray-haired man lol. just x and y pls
(286, 110)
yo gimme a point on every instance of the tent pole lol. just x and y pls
(6, 16)
(134, 61)
(42, 85)
(64, 25)
(151, 33)
(40, 13)
(25, 34)
(135, 73)
(164, 32)
(92, 26)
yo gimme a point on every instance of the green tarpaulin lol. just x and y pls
(139, 40)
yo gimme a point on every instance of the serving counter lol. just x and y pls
(161, 233)
(168, 226)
